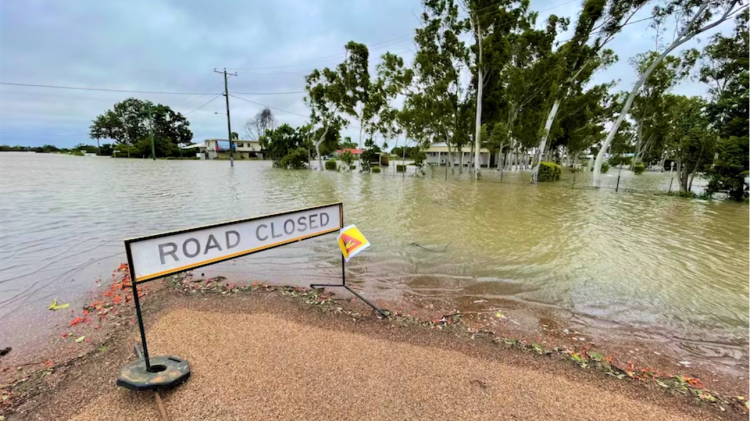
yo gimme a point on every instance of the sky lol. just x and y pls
(175, 45)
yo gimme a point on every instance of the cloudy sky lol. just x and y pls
(174, 46)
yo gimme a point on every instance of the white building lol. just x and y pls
(243, 148)
(437, 154)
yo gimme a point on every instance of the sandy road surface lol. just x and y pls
(262, 366)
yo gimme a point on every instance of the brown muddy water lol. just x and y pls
(659, 268)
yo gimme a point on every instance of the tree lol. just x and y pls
(725, 70)
(331, 92)
(493, 24)
(696, 18)
(434, 111)
(347, 158)
(348, 144)
(285, 145)
(649, 108)
(256, 126)
(578, 58)
(128, 122)
(694, 142)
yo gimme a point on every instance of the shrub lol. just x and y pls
(331, 165)
(684, 194)
(549, 171)
(352, 167)
(639, 168)
(605, 167)
(574, 170)
(400, 168)
(375, 169)
(617, 160)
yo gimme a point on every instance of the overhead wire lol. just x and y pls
(212, 100)
(79, 88)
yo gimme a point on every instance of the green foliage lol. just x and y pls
(285, 145)
(331, 165)
(400, 168)
(375, 169)
(128, 123)
(549, 171)
(418, 156)
(683, 194)
(605, 167)
(726, 70)
(639, 168)
(352, 167)
(106, 149)
(574, 170)
(620, 160)
(347, 158)
(731, 169)
(295, 159)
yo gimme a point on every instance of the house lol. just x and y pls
(219, 148)
(355, 152)
(437, 154)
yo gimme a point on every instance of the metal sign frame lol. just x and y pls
(134, 282)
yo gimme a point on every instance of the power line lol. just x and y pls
(280, 109)
(212, 100)
(272, 93)
(77, 88)
(137, 92)
(265, 105)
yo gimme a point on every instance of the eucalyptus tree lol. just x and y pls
(580, 56)
(695, 17)
(332, 92)
(495, 25)
(725, 70)
(648, 109)
(433, 109)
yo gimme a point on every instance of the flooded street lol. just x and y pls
(653, 266)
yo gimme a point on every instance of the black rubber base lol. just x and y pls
(166, 372)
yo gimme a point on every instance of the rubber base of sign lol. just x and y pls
(172, 371)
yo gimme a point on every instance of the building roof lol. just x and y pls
(353, 151)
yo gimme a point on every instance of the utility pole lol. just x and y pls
(229, 119)
(151, 131)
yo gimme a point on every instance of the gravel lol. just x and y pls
(263, 366)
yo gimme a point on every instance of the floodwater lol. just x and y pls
(634, 261)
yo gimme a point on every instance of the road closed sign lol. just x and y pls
(163, 254)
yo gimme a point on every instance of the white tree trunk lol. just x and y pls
(543, 143)
(478, 123)
(682, 38)
(317, 147)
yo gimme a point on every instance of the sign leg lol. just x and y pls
(140, 322)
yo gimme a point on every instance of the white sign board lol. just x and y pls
(159, 255)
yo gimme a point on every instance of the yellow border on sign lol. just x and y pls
(229, 256)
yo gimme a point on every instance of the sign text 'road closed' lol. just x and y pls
(172, 252)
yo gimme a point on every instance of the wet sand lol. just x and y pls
(265, 356)
(260, 366)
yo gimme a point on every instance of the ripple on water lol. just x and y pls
(634, 260)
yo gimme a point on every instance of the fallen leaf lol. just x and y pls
(102, 348)
(81, 339)
(499, 315)
(479, 301)
(54, 306)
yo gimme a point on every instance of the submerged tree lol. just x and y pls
(128, 122)
(696, 17)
